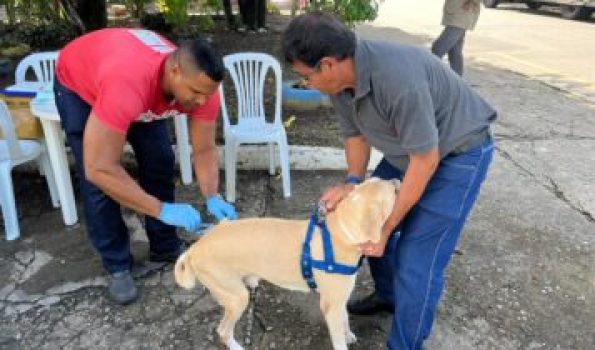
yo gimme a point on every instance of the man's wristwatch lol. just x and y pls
(353, 180)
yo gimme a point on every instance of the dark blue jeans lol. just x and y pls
(155, 158)
(411, 272)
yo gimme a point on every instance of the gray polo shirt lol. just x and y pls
(407, 101)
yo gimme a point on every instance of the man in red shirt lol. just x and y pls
(118, 85)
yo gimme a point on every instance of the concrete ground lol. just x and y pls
(511, 37)
(522, 277)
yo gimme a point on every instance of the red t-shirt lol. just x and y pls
(118, 71)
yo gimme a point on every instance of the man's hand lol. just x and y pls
(220, 208)
(180, 215)
(374, 249)
(333, 195)
(377, 249)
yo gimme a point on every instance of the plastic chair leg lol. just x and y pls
(285, 173)
(181, 127)
(44, 164)
(40, 167)
(272, 156)
(9, 210)
(230, 170)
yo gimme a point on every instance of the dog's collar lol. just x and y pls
(327, 265)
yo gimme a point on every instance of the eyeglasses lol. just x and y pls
(316, 69)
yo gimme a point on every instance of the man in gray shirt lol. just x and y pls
(434, 133)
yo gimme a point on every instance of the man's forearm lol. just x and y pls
(357, 154)
(206, 166)
(115, 182)
(102, 149)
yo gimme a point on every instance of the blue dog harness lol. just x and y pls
(327, 265)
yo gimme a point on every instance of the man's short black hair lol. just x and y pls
(312, 36)
(204, 56)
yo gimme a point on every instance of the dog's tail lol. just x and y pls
(183, 273)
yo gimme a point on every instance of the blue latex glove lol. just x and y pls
(220, 208)
(180, 215)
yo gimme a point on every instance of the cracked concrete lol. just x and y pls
(522, 277)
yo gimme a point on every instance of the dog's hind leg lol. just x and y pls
(232, 294)
(334, 315)
(234, 305)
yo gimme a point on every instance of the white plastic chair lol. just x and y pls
(248, 71)
(12, 153)
(42, 63)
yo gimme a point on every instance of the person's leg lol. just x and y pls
(455, 55)
(243, 19)
(229, 14)
(429, 235)
(155, 158)
(447, 40)
(382, 268)
(105, 226)
(261, 11)
(248, 12)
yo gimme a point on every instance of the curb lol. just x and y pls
(255, 157)
(251, 157)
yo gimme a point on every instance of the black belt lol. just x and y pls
(474, 141)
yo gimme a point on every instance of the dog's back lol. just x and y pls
(259, 247)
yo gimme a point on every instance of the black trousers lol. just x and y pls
(253, 13)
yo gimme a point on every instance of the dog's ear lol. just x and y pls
(371, 225)
(379, 207)
(365, 210)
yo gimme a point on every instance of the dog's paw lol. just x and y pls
(251, 281)
(350, 338)
(232, 344)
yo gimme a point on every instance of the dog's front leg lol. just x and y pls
(350, 338)
(335, 321)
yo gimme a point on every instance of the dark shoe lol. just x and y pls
(168, 256)
(369, 305)
(145, 268)
(122, 288)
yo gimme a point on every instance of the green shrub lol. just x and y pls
(175, 11)
(18, 50)
(49, 36)
(351, 11)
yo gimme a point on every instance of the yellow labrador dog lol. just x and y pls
(239, 253)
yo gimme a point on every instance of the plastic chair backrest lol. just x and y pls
(248, 71)
(42, 63)
(7, 127)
